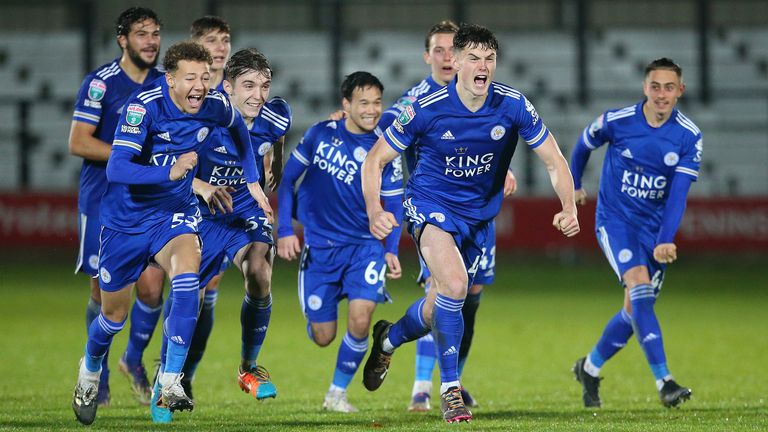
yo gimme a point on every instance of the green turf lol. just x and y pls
(533, 323)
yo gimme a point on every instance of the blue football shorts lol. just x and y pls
(626, 247)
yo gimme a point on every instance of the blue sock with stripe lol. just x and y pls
(448, 328)
(647, 329)
(180, 324)
(202, 333)
(254, 319)
(410, 327)
(91, 312)
(143, 322)
(100, 335)
(615, 336)
(351, 353)
(425, 357)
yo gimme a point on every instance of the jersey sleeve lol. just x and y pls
(304, 150)
(392, 178)
(222, 110)
(406, 128)
(88, 102)
(278, 114)
(133, 128)
(690, 157)
(596, 134)
(530, 126)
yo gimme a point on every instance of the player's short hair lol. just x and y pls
(206, 24)
(244, 61)
(359, 79)
(187, 50)
(664, 63)
(474, 35)
(445, 26)
(133, 15)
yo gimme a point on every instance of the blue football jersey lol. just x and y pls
(100, 102)
(220, 163)
(640, 163)
(425, 87)
(155, 132)
(330, 201)
(464, 155)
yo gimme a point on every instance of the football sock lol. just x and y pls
(202, 333)
(425, 357)
(351, 353)
(180, 323)
(143, 322)
(408, 328)
(647, 329)
(447, 329)
(615, 336)
(254, 319)
(100, 336)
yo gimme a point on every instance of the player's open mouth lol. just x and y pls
(195, 101)
(448, 69)
(218, 59)
(480, 80)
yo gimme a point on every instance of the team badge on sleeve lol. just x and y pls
(96, 90)
(135, 114)
(406, 115)
(264, 148)
(596, 126)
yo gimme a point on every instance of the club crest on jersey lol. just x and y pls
(359, 154)
(529, 107)
(264, 148)
(498, 132)
(406, 115)
(134, 114)
(671, 159)
(96, 90)
(202, 134)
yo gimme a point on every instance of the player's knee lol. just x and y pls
(359, 324)
(637, 275)
(454, 287)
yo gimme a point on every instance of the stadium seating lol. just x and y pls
(47, 69)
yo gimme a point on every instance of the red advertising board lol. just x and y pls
(45, 220)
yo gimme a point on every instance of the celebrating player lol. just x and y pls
(340, 258)
(97, 109)
(466, 134)
(653, 155)
(149, 213)
(233, 225)
(438, 46)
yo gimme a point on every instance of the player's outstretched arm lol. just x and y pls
(84, 144)
(217, 197)
(565, 221)
(380, 222)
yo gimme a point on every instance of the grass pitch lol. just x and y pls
(537, 318)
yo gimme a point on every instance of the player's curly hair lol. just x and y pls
(361, 80)
(244, 61)
(664, 63)
(133, 15)
(206, 24)
(187, 50)
(474, 35)
(445, 26)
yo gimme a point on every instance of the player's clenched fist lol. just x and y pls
(183, 165)
(381, 224)
(567, 223)
(288, 247)
(665, 253)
